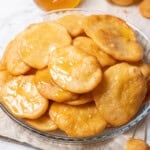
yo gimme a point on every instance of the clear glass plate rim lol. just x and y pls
(99, 137)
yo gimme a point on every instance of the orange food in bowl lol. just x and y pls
(136, 144)
(115, 92)
(145, 8)
(80, 121)
(22, 99)
(44, 123)
(123, 2)
(56, 4)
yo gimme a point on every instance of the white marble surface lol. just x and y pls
(10, 7)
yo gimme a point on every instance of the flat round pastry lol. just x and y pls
(89, 46)
(74, 70)
(38, 40)
(20, 96)
(12, 60)
(44, 123)
(120, 94)
(114, 37)
(77, 121)
(113, 24)
(73, 23)
(49, 89)
(82, 99)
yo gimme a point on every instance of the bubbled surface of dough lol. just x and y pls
(79, 121)
(120, 94)
(114, 37)
(89, 46)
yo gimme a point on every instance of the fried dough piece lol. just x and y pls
(123, 2)
(114, 37)
(113, 24)
(73, 23)
(38, 40)
(136, 144)
(2, 65)
(145, 8)
(74, 70)
(87, 45)
(44, 123)
(5, 76)
(77, 121)
(12, 61)
(145, 69)
(83, 99)
(49, 89)
(120, 94)
(22, 99)
(120, 48)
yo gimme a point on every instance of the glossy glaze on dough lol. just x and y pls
(74, 70)
(38, 40)
(22, 99)
(49, 89)
(12, 60)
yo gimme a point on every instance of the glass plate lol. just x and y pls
(17, 23)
